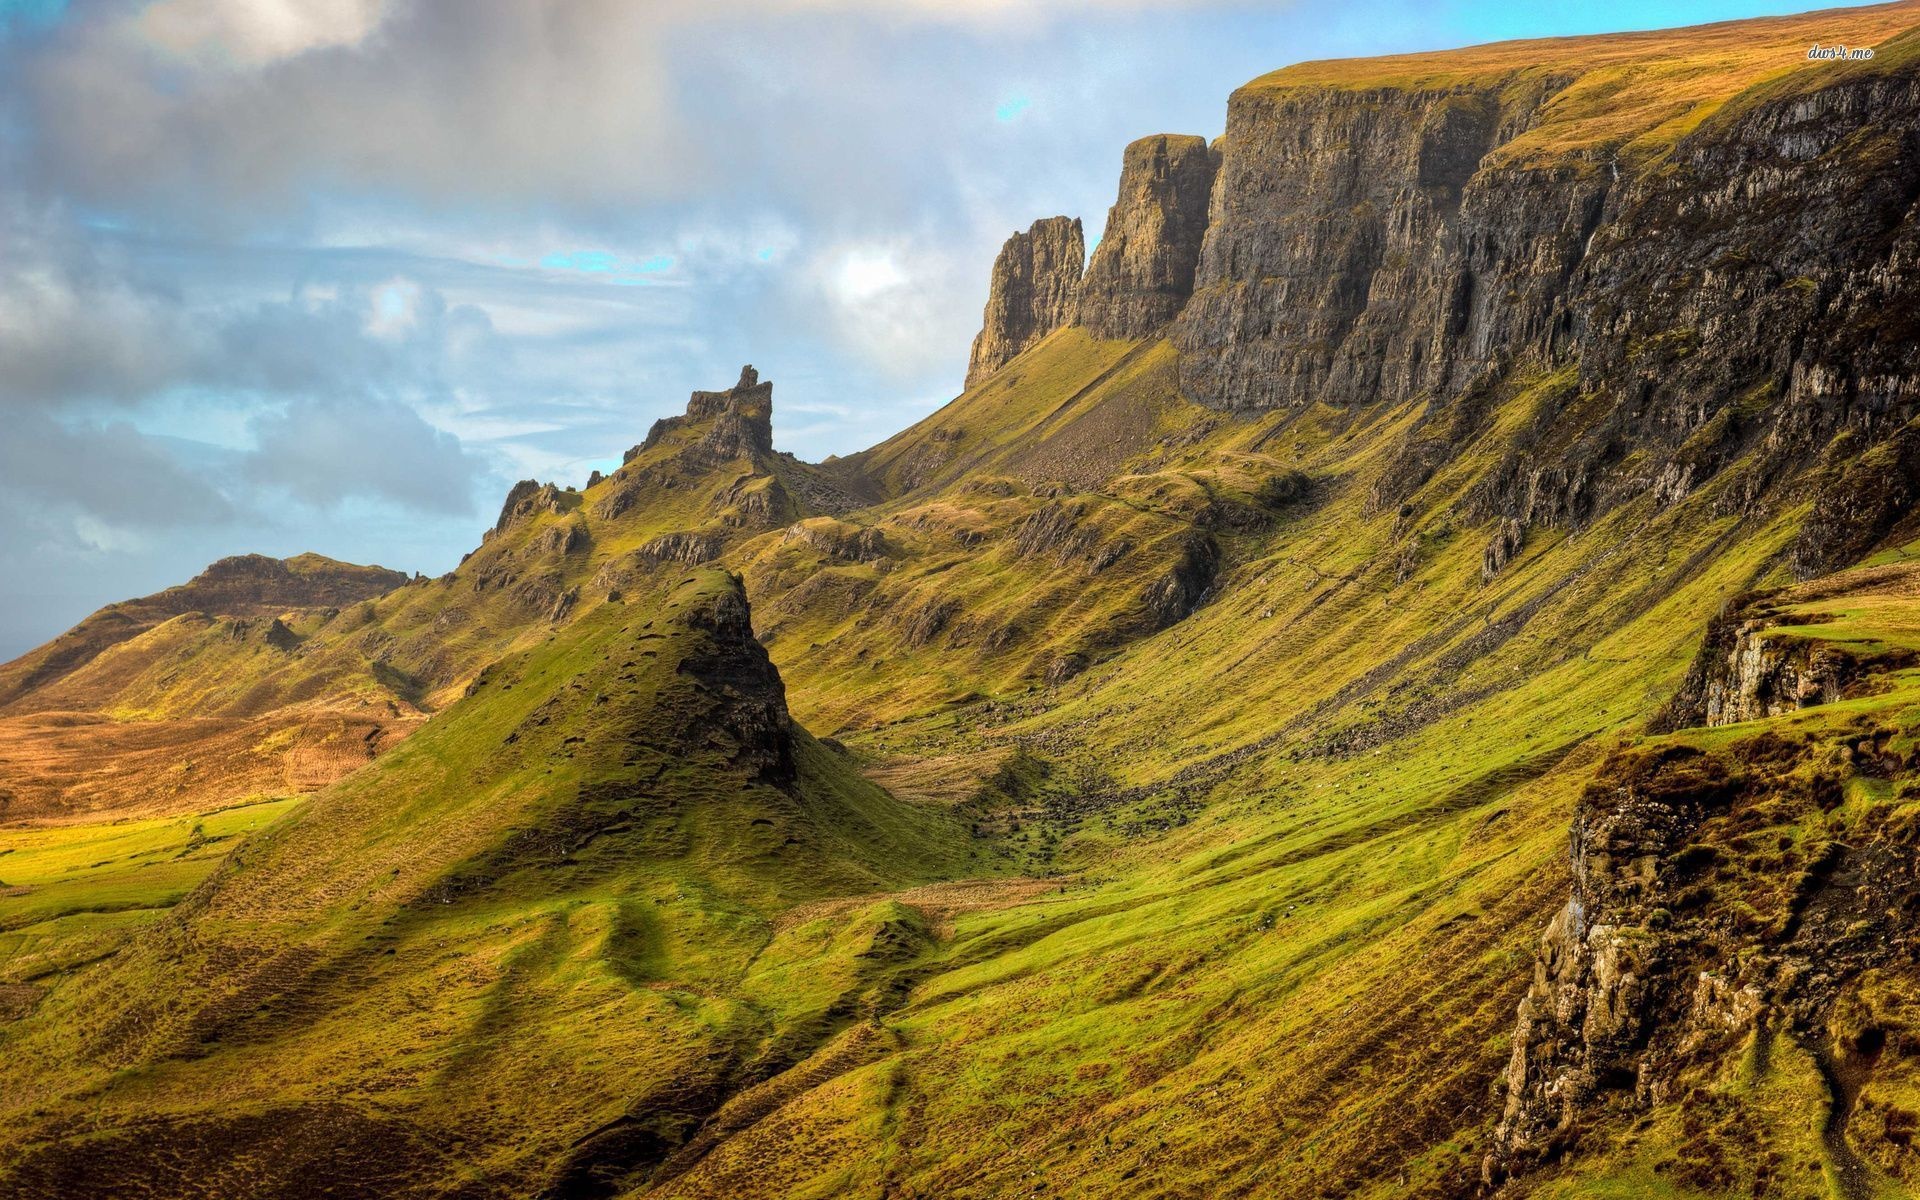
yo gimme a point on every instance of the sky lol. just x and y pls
(291, 275)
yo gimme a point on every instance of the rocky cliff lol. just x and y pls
(1779, 651)
(1036, 281)
(1749, 282)
(1142, 271)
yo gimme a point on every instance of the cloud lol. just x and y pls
(323, 453)
(318, 273)
(515, 102)
(109, 473)
(74, 324)
(252, 33)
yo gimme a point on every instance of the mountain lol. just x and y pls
(1397, 679)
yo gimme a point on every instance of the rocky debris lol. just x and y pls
(1035, 285)
(747, 700)
(1142, 271)
(1687, 932)
(816, 489)
(526, 500)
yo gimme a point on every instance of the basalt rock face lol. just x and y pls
(1036, 284)
(1754, 288)
(1336, 261)
(1142, 271)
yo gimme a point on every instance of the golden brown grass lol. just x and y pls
(1632, 92)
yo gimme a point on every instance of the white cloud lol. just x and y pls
(253, 33)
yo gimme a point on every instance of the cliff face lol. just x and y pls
(1142, 271)
(1752, 283)
(1336, 258)
(1036, 282)
(1777, 652)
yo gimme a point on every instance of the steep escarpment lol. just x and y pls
(1393, 226)
(1035, 282)
(1334, 263)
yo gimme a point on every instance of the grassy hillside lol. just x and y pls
(575, 876)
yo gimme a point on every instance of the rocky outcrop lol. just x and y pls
(1679, 943)
(1142, 271)
(740, 420)
(745, 700)
(1749, 666)
(1507, 541)
(1186, 583)
(838, 540)
(1603, 969)
(1035, 285)
(526, 500)
(689, 547)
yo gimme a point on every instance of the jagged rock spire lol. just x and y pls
(1142, 271)
(1036, 284)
